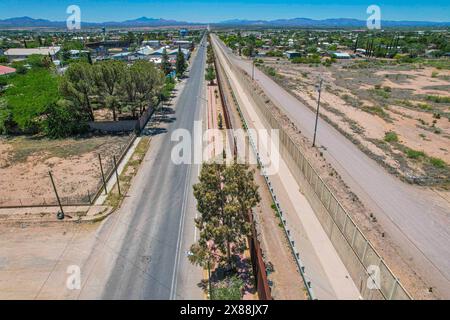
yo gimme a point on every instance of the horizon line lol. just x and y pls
(221, 21)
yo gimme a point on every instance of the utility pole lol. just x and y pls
(319, 89)
(253, 68)
(56, 193)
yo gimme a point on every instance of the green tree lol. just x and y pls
(28, 95)
(78, 86)
(225, 195)
(165, 63)
(210, 74)
(61, 120)
(181, 65)
(148, 81)
(203, 256)
(107, 77)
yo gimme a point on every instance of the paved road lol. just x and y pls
(141, 252)
(417, 219)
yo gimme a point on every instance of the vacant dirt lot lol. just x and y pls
(25, 162)
(34, 258)
(399, 114)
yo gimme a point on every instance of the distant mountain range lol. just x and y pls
(27, 22)
(330, 23)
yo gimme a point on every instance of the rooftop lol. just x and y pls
(28, 52)
(6, 70)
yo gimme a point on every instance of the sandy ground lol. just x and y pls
(24, 166)
(348, 93)
(34, 258)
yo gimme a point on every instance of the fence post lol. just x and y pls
(103, 174)
(117, 175)
(56, 192)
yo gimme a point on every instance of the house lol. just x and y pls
(292, 54)
(151, 43)
(128, 56)
(185, 44)
(4, 70)
(122, 56)
(76, 54)
(147, 50)
(24, 53)
(174, 52)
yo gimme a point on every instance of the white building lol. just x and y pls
(24, 53)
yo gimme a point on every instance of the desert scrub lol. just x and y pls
(438, 163)
(414, 154)
(379, 111)
(391, 136)
(438, 99)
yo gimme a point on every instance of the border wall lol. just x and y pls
(361, 259)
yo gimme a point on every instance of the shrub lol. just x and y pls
(391, 136)
(274, 53)
(272, 72)
(424, 106)
(61, 121)
(438, 99)
(228, 289)
(313, 59)
(414, 154)
(438, 163)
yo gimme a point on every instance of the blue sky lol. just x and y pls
(213, 10)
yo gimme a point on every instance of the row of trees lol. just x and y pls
(210, 74)
(225, 197)
(37, 100)
(112, 85)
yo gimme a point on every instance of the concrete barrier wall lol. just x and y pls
(364, 264)
(113, 126)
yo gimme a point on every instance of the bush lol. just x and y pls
(228, 289)
(274, 53)
(438, 163)
(391, 136)
(414, 154)
(438, 99)
(61, 121)
(272, 72)
(313, 59)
